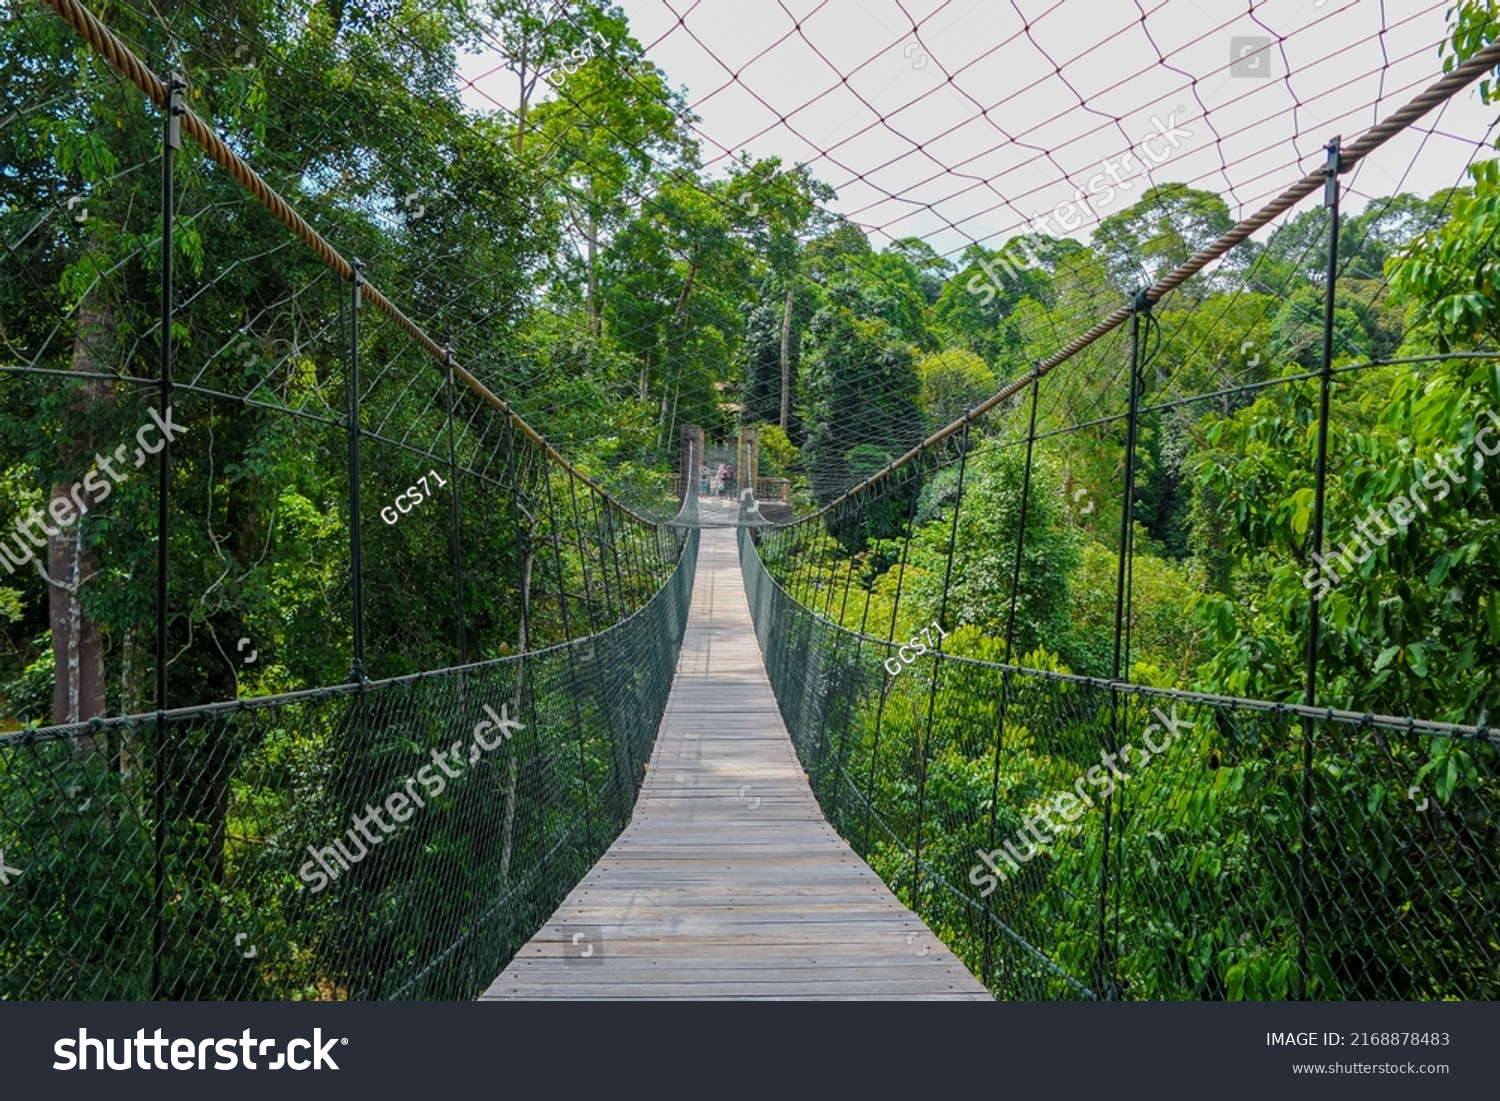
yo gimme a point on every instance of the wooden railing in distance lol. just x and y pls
(773, 489)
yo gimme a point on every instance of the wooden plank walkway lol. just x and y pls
(728, 882)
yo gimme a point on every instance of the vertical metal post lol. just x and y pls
(458, 537)
(171, 142)
(925, 742)
(1140, 304)
(357, 673)
(911, 515)
(1010, 638)
(356, 540)
(1331, 170)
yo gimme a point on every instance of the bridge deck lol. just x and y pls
(728, 882)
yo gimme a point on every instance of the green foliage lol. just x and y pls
(1297, 332)
(1449, 274)
(953, 382)
(860, 391)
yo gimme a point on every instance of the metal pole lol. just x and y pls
(171, 142)
(1331, 170)
(1140, 304)
(890, 635)
(1010, 637)
(458, 538)
(925, 738)
(356, 557)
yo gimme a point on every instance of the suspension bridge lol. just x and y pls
(626, 743)
(728, 882)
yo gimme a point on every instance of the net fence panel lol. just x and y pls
(400, 839)
(1084, 839)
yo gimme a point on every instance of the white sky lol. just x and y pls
(959, 120)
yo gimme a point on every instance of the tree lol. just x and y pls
(602, 138)
(977, 306)
(859, 388)
(1297, 331)
(932, 268)
(953, 382)
(1160, 232)
(1449, 275)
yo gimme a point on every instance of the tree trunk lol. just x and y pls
(786, 361)
(78, 651)
(77, 647)
(661, 437)
(521, 111)
(130, 697)
(672, 349)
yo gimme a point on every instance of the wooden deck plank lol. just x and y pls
(728, 882)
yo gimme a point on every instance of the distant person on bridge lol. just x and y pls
(726, 485)
(703, 480)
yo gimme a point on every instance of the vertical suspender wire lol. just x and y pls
(620, 736)
(631, 779)
(885, 686)
(458, 537)
(590, 614)
(537, 466)
(821, 537)
(925, 738)
(607, 508)
(637, 562)
(848, 582)
(1304, 871)
(814, 693)
(562, 594)
(793, 564)
(808, 555)
(835, 635)
(624, 536)
(601, 540)
(522, 587)
(171, 142)
(1104, 977)
(833, 579)
(820, 551)
(851, 689)
(619, 739)
(583, 559)
(643, 568)
(1005, 674)
(832, 549)
(858, 666)
(523, 640)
